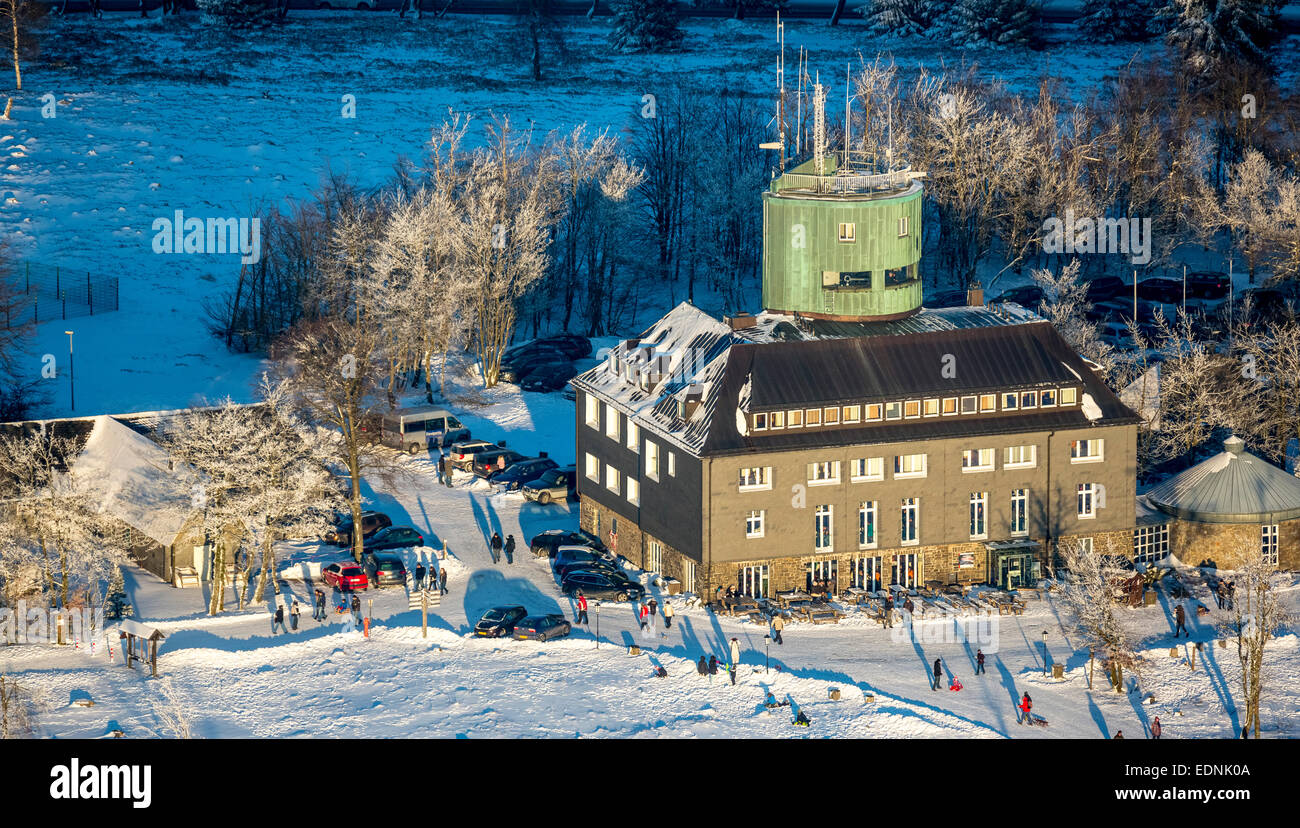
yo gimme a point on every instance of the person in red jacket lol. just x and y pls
(582, 608)
(1026, 705)
(644, 615)
(1155, 728)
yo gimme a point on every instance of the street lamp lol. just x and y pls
(596, 608)
(767, 653)
(71, 375)
(1044, 653)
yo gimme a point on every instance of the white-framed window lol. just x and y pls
(611, 422)
(654, 556)
(754, 581)
(1021, 457)
(1268, 543)
(812, 417)
(988, 403)
(902, 226)
(894, 411)
(909, 465)
(823, 539)
(848, 232)
(760, 422)
(930, 408)
(868, 468)
(611, 479)
(873, 412)
(949, 406)
(867, 525)
(688, 574)
(1087, 500)
(754, 523)
(824, 474)
(633, 491)
(822, 574)
(633, 436)
(977, 460)
(672, 464)
(1047, 398)
(1087, 451)
(652, 459)
(778, 420)
(1085, 544)
(851, 414)
(1010, 401)
(904, 570)
(912, 409)
(794, 418)
(865, 573)
(970, 405)
(755, 478)
(910, 521)
(593, 412)
(593, 467)
(1150, 543)
(1028, 399)
(1069, 396)
(1019, 512)
(831, 415)
(979, 515)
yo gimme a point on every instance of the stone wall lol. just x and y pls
(1226, 543)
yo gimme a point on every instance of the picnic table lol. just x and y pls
(858, 596)
(788, 599)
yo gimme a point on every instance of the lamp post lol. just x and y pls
(71, 374)
(596, 608)
(1044, 653)
(767, 653)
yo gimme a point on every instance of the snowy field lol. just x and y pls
(156, 115)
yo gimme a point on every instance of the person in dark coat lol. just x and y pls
(702, 668)
(319, 614)
(1119, 734)
(979, 662)
(1232, 592)
(1181, 617)
(446, 471)
(909, 606)
(495, 547)
(278, 619)
(440, 466)
(419, 576)
(356, 609)
(713, 665)
(294, 613)
(510, 549)
(938, 673)
(1220, 592)
(442, 579)
(1155, 728)
(889, 611)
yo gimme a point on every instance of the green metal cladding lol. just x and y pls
(793, 272)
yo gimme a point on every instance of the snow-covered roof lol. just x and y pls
(128, 477)
(1234, 486)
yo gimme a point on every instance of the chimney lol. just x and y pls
(975, 295)
(740, 320)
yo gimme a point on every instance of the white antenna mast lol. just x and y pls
(798, 103)
(846, 117)
(819, 127)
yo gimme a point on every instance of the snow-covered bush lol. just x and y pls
(996, 22)
(1117, 21)
(906, 17)
(646, 26)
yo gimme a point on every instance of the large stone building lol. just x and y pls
(847, 436)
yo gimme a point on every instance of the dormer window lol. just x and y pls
(813, 417)
(931, 408)
(1011, 401)
(894, 411)
(988, 402)
(760, 422)
(1047, 398)
(1068, 396)
(794, 419)
(1028, 399)
(969, 405)
(777, 420)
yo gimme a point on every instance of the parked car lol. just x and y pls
(371, 522)
(345, 576)
(549, 541)
(382, 569)
(947, 299)
(549, 378)
(1159, 289)
(487, 464)
(1206, 285)
(555, 484)
(574, 346)
(1105, 287)
(517, 474)
(415, 429)
(462, 452)
(603, 586)
(517, 367)
(607, 568)
(542, 628)
(572, 557)
(1028, 296)
(499, 621)
(394, 537)
(1116, 334)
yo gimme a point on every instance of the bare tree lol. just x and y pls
(171, 708)
(1257, 615)
(1089, 596)
(1065, 305)
(22, 19)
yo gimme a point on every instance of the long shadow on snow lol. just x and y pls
(489, 588)
(1220, 685)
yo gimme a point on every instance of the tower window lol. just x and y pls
(848, 232)
(902, 226)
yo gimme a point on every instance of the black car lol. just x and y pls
(947, 299)
(383, 569)
(499, 621)
(1168, 291)
(549, 378)
(487, 464)
(516, 368)
(1027, 296)
(1105, 287)
(574, 346)
(593, 567)
(1206, 285)
(516, 475)
(542, 628)
(394, 537)
(603, 586)
(371, 522)
(552, 539)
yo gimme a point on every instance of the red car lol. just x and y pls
(345, 576)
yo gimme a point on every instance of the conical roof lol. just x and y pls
(1232, 487)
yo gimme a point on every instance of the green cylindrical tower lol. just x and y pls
(842, 247)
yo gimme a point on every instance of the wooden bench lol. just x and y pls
(823, 615)
(186, 576)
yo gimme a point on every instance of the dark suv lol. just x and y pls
(552, 539)
(382, 569)
(394, 537)
(1206, 285)
(602, 585)
(486, 464)
(517, 475)
(371, 522)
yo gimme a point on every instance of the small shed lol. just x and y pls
(140, 639)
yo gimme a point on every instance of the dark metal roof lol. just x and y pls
(1232, 487)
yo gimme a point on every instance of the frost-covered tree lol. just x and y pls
(1015, 23)
(906, 17)
(1065, 305)
(1210, 33)
(1117, 21)
(20, 20)
(1088, 595)
(646, 26)
(1257, 615)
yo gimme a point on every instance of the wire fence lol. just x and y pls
(45, 293)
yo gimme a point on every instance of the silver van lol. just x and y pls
(416, 429)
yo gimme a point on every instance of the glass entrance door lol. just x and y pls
(866, 574)
(904, 571)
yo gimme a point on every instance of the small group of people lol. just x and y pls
(431, 577)
(277, 620)
(496, 547)
(647, 614)
(444, 467)
(1224, 593)
(710, 667)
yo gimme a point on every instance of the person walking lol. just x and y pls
(294, 613)
(653, 617)
(1181, 618)
(735, 658)
(979, 662)
(582, 608)
(439, 466)
(1232, 592)
(778, 624)
(702, 668)
(319, 614)
(1220, 592)
(442, 579)
(419, 575)
(889, 612)
(447, 471)
(938, 673)
(494, 547)
(909, 606)
(278, 619)
(668, 615)
(1026, 705)
(356, 609)
(641, 616)
(1155, 728)
(510, 549)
